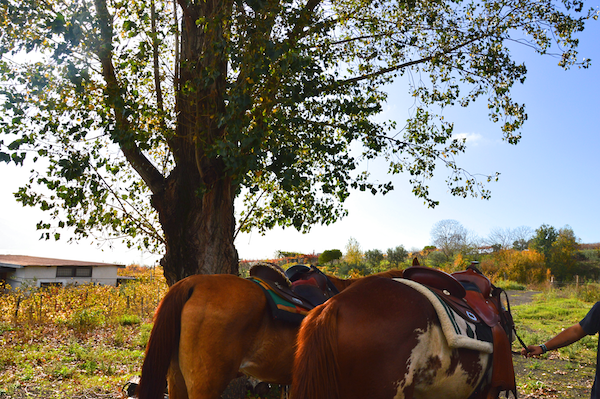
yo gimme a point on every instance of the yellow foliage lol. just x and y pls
(65, 304)
(460, 263)
(521, 266)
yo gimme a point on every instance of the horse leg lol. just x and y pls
(494, 393)
(175, 381)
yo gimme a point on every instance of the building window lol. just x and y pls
(64, 272)
(84, 271)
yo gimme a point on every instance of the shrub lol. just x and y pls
(86, 320)
(144, 336)
(589, 292)
(510, 285)
(129, 320)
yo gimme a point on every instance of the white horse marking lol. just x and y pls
(432, 372)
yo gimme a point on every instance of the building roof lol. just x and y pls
(20, 261)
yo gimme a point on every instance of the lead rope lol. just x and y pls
(513, 323)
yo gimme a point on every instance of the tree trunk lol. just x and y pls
(196, 205)
(198, 227)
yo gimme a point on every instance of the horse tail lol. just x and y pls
(316, 370)
(164, 340)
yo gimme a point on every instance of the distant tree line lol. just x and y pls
(520, 254)
(356, 262)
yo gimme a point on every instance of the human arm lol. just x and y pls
(564, 338)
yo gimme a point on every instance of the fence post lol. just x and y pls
(17, 307)
(41, 305)
(577, 281)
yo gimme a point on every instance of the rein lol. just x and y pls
(513, 324)
(505, 316)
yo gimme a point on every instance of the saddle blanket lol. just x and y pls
(281, 309)
(459, 332)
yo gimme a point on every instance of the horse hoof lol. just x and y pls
(262, 389)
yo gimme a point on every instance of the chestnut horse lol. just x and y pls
(210, 328)
(381, 339)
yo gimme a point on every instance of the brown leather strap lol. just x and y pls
(503, 372)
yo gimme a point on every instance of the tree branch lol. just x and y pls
(151, 176)
(303, 19)
(402, 66)
(159, 96)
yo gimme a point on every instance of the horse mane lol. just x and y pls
(316, 370)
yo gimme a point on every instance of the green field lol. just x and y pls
(564, 373)
(77, 349)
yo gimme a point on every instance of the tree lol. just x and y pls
(522, 235)
(437, 259)
(286, 254)
(374, 257)
(520, 245)
(500, 238)
(151, 118)
(396, 255)
(354, 254)
(522, 266)
(542, 242)
(563, 261)
(508, 238)
(450, 237)
(330, 255)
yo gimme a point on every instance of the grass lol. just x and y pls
(58, 362)
(510, 285)
(550, 313)
(564, 373)
(76, 346)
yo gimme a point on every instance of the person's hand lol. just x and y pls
(532, 350)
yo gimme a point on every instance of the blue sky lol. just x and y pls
(552, 176)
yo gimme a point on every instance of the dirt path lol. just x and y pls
(520, 297)
(549, 377)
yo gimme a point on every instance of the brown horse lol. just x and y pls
(381, 339)
(210, 328)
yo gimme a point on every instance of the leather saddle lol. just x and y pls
(301, 285)
(467, 292)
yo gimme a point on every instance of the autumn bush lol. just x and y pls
(85, 307)
(523, 266)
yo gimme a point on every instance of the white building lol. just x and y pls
(16, 270)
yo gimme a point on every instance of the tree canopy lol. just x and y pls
(544, 238)
(374, 256)
(148, 119)
(328, 256)
(450, 237)
(396, 255)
